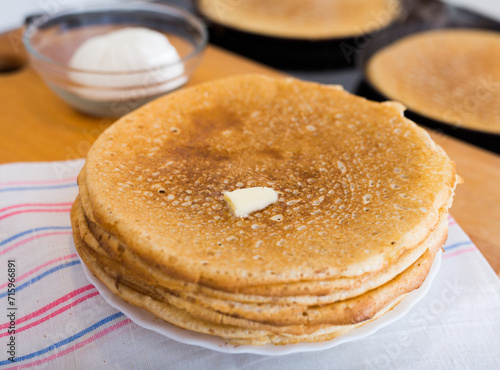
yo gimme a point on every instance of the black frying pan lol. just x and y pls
(428, 15)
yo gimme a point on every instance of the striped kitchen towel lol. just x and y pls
(56, 319)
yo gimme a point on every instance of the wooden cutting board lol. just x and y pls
(36, 126)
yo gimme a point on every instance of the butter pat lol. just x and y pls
(245, 201)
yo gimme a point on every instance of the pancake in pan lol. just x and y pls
(312, 19)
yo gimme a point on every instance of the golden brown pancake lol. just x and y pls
(232, 334)
(286, 318)
(363, 200)
(322, 292)
(311, 19)
(451, 75)
(194, 317)
(359, 183)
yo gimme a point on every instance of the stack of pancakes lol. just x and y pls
(362, 209)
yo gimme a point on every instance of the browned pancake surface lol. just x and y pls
(452, 76)
(313, 19)
(191, 315)
(300, 293)
(358, 183)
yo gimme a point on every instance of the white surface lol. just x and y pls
(148, 321)
(490, 8)
(13, 12)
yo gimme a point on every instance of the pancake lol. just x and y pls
(359, 184)
(177, 312)
(362, 209)
(269, 311)
(451, 75)
(317, 292)
(184, 320)
(299, 19)
(283, 318)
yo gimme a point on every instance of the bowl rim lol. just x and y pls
(130, 6)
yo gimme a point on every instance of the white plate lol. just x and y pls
(148, 321)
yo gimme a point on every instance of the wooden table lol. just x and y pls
(36, 126)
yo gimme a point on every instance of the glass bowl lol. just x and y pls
(52, 39)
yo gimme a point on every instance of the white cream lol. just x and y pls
(245, 201)
(139, 53)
